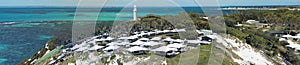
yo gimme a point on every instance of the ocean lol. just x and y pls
(24, 30)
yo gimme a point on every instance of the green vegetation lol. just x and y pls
(286, 20)
(69, 60)
(204, 54)
(55, 51)
(281, 19)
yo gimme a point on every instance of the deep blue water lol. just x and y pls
(20, 37)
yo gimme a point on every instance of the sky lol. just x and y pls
(95, 3)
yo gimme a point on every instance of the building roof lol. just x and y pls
(143, 34)
(164, 49)
(298, 34)
(168, 39)
(296, 37)
(211, 36)
(178, 30)
(206, 32)
(111, 48)
(133, 37)
(287, 36)
(178, 40)
(166, 31)
(136, 48)
(109, 38)
(98, 40)
(95, 47)
(81, 49)
(137, 43)
(274, 32)
(152, 43)
(156, 38)
(112, 44)
(159, 31)
(144, 39)
(252, 21)
(205, 42)
(150, 33)
(193, 41)
(123, 38)
(175, 45)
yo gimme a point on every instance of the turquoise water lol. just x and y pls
(23, 32)
(2, 60)
(107, 14)
(21, 40)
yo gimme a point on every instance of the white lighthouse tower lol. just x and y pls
(134, 13)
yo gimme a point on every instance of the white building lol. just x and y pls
(110, 48)
(134, 13)
(165, 51)
(252, 21)
(137, 50)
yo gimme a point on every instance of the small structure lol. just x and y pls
(110, 48)
(179, 47)
(136, 43)
(81, 49)
(156, 39)
(296, 38)
(204, 32)
(178, 30)
(287, 36)
(144, 39)
(105, 35)
(151, 33)
(207, 38)
(136, 50)
(96, 48)
(205, 42)
(252, 21)
(168, 40)
(178, 41)
(238, 24)
(159, 32)
(277, 33)
(204, 18)
(194, 43)
(166, 31)
(123, 43)
(112, 44)
(136, 32)
(123, 38)
(107, 39)
(132, 38)
(295, 46)
(290, 37)
(164, 51)
(98, 40)
(152, 44)
(263, 25)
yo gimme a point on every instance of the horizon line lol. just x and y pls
(144, 6)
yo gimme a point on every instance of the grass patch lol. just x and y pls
(55, 51)
(204, 54)
(173, 61)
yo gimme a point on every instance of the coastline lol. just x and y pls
(63, 34)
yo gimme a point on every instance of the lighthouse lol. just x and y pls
(134, 13)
